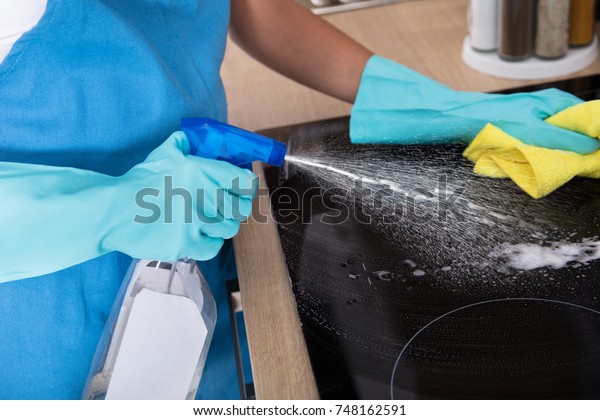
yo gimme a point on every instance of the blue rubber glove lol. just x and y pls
(398, 105)
(53, 217)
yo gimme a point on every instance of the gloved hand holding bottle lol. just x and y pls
(398, 105)
(169, 206)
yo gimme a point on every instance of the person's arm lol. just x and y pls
(292, 41)
(56, 217)
(394, 104)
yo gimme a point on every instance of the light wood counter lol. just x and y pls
(426, 35)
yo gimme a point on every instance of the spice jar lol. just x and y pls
(516, 29)
(582, 22)
(552, 28)
(483, 24)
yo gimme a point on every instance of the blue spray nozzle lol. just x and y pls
(216, 140)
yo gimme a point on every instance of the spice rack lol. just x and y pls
(533, 68)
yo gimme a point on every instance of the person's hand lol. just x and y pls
(398, 105)
(176, 205)
(169, 206)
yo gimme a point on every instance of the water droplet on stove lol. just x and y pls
(383, 275)
(410, 263)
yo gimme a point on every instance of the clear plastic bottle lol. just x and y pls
(157, 336)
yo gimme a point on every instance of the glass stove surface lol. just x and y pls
(407, 307)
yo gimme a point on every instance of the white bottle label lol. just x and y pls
(161, 345)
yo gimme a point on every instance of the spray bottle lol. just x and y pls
(156, 338)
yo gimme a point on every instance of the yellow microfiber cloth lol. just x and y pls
(537, 170)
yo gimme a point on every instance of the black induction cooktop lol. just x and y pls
(397, 257)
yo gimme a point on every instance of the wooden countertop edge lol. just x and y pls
(280, 363)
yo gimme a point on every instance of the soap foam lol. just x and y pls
(557, 255)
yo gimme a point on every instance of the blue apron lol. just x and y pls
(98, 85)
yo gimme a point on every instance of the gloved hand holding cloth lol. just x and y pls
(396, 105)
(169, 206)
(537, 170)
